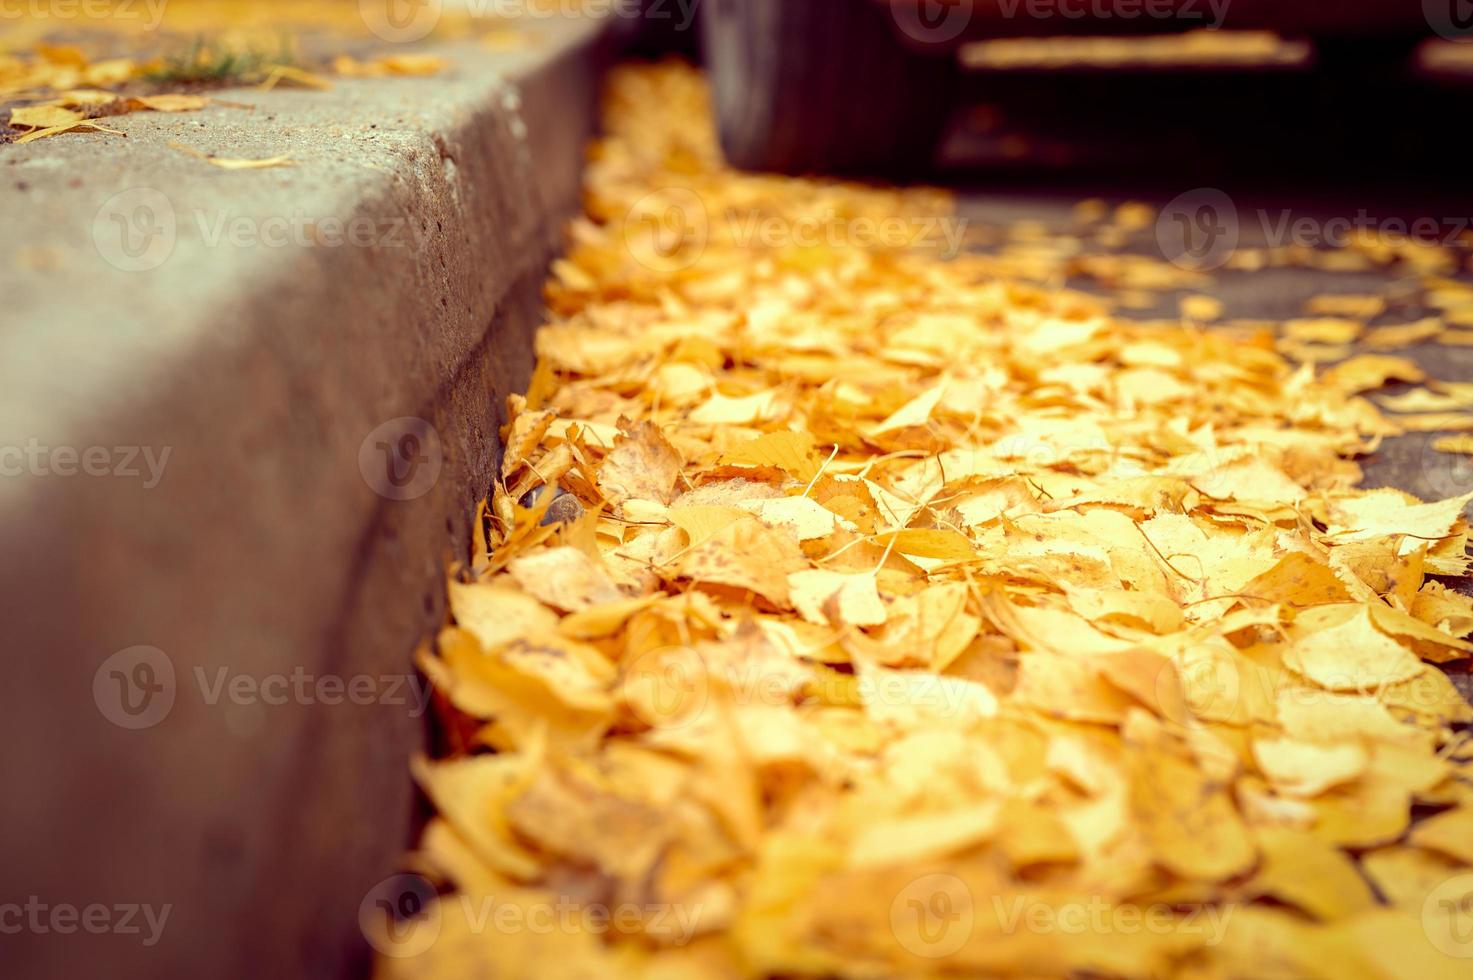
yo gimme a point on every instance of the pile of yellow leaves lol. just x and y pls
(851, 612)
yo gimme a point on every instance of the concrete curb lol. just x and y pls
(295, 535)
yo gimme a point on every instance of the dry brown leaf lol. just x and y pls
(232, 163)
(43, 117)
(398, 64)
(744, 555)
(642, 466)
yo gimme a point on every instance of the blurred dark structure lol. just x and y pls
(866, 87)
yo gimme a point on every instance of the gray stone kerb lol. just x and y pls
(244, 419)
(125, 244)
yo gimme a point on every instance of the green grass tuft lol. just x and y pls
(207, 63)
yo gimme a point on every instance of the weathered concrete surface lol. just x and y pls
(260, 352)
